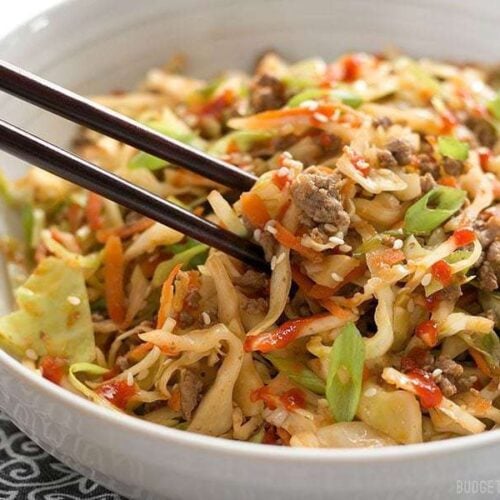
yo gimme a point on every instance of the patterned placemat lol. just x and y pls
(28, 472)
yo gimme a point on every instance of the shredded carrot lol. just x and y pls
(138, 352)
(114, 266)
(388, 257)
(125, 231)
(74, 216)
(93, 211)
(166, 297)
(65, 239)
(289, 240)
(480, 362)
(150, 263)
(335, 309)
(254, 209)
(311, 289)
(174, 402)
(449, 181)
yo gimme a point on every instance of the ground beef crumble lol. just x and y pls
(267, 93)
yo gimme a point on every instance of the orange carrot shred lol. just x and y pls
(289, 240)
(166, 297)
(114, 265)
(138, 352)
(125, 231)
(480, 362)
(93, 211)
(254, 209)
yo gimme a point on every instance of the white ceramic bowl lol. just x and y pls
(99, 45)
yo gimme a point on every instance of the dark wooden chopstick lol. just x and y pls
(74, 169)
(67, 104)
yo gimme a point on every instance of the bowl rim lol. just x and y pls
(239, 449)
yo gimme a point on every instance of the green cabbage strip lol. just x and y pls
(94, 371)
(345, 96)
(297, 372)
(345, 373)
(494, 107)
(434, 208)
(453, 148)
(183, 257)
(53, 316)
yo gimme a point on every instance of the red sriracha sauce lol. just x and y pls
(277, 339)
(293, 399)
(484, 157)
(441, 271)
(416, 358)
(426, 389)
(433, 301)
(351, 67)
(117, 392)
(428, 332)
(463, 237)
(53, 368)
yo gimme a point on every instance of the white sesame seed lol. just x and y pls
(398, 244)
(345, 248)
(257, 234)
(287, 154)
(130, 379)
(273, 262)
(206, 318)
(320, 117)
(310, 105)
(74, 301)
(427, 278)
(437, 373)
(335, 240)
(336, 277)
(31, 354)
(370, 392)
(142, 374)
(283, 172)
(269, 227)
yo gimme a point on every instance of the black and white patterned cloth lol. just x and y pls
(29, 473)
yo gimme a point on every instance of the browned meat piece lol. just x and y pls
(383, 121)
(317, 197)
(484, 131)
(252, 280)
(428, 165)
(190, 387)
(489, 272)
(186, 319)
(385, 159)
(487, 231)
(453, 167)
(452, 378)
(427, 182)
(451, 293)
(401, 151)
(266, 93)
(268, 244)
(256, 306)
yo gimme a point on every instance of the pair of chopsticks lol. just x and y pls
(67, 104)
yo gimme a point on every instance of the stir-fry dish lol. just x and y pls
(377, 208)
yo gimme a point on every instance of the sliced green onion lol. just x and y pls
(453, 148)
(344, 95)
(297, 372)
(487, 344)
(184, 258)
(494, 107)
(244, 140)
(27, 221)
(345, 373)
(434, 208)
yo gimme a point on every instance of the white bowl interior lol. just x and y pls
(98, 45)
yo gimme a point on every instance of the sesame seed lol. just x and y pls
(335, 240)
(310, 105)
(370, 392)
(437, 373)
(320, 117)
(74, 301)
(336, 277)
(206, 318)
(257, 234)
(269, 227)
(398, 244)
(273, 262)
(283, 172)
(345, 248)
(427, 278)
(130, 379)
(31, 354)
(287, 154)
